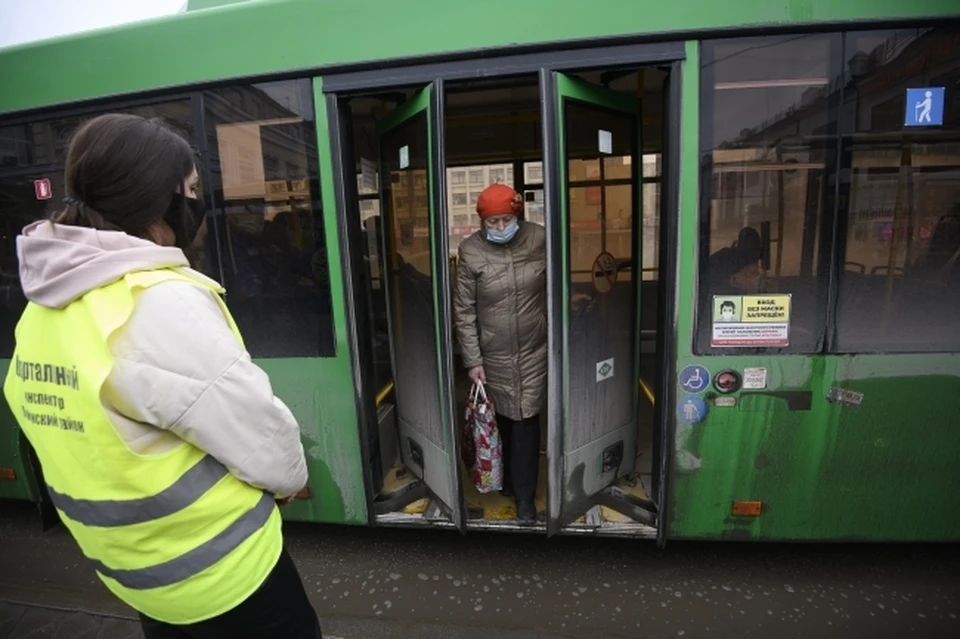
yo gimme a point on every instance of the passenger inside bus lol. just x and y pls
(737, 267)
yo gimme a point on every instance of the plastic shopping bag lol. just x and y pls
(480, 428)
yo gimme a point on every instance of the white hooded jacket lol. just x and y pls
(179, 372)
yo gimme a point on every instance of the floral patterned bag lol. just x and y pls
(480, 430)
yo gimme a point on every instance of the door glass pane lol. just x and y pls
(900, 289)
(403, 156)
(601, 204)
(368, 190)
(766, 120)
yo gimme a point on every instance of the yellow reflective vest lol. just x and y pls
(174, 535)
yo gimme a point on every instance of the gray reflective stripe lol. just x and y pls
(109, 513)
(200, 558)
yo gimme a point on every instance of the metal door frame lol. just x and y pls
(670, 55)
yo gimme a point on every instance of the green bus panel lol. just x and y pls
(214, 44)
(884, 470)
(319, 392)
(13, 455)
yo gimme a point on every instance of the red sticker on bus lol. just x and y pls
(42, 189)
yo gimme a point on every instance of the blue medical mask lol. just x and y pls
(505, 235)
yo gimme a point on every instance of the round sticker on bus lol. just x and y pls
(691, 409)
(604, 273)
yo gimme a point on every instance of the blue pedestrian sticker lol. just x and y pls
(694, 379)
(924, 107)
(691, 409)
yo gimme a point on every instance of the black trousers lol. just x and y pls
(278, 609)
(521, 455)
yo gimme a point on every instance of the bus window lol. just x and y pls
(900, 288)
(262, 148)
(34, 152)
(765, 145)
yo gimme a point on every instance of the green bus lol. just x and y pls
(753, 245)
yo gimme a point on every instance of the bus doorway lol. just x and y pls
(441, 145)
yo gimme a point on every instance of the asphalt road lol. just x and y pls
(388, 584)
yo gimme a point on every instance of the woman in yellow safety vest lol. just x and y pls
(162, 445)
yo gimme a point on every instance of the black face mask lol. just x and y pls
(185, 226)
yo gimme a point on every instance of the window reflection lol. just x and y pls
(19, 207)
(900, 288)
(368, 194)
(601, 198)
(263, 160)
(44, 143)
(766, 116)
(34, 151)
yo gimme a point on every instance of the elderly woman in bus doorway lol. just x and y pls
(500, 309)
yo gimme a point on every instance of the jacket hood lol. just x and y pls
(60, 263)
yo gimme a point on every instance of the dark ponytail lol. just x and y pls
(76, 213)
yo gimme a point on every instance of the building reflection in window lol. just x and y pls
(900, 286)
(263, 160)
(766, 116)
(36, 150)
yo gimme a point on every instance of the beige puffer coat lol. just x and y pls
(500, 307)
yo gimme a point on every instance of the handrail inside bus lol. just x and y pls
(384, 393)
(648, 392)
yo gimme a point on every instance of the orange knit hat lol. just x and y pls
(499, 199)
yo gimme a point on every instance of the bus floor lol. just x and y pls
(494, 509)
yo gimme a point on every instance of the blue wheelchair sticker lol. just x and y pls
(694, 379)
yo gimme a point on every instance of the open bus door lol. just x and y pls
(418, 294)
(595, 301)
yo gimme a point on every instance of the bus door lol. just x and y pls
(595, 298)
(417, 288)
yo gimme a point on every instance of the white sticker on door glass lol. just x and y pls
(605, 141)
(404, 157)
(368, 175)
(604, 370)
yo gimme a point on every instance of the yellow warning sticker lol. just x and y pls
(766, 308)
(751, 321)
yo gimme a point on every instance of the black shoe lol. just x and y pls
(506, 492)
(526, 512)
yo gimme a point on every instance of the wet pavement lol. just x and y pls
(373, 584)
(21, 622)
